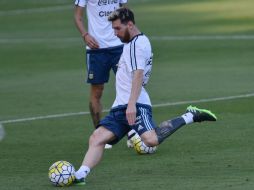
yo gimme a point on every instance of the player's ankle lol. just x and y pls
(82, 172)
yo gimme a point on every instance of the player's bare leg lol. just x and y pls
(97, 142)
(150, 138)
(94, 153)
(95, 105)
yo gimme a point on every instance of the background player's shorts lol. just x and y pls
(117, 123)
(99, 62)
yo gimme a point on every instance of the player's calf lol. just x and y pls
(193, 114)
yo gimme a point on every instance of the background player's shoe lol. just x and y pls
(129, 143)
(79, 182)
(108, 146)
(130, 134)
(200, 115)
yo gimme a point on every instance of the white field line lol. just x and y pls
(39, 40)
(36, 10)
(155, 106)
(156, 38)
(203, 37)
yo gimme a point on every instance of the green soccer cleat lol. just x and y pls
(200, 115)
(79, 182)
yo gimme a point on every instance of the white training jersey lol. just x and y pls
(137, 54)
(98, 25)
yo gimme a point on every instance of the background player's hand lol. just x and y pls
(91, 42)
(131, 112)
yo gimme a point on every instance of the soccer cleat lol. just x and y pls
(200, 115)
(79, 182)
(108, 146)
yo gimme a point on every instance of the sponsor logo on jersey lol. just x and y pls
(107, 2)
(105, 13)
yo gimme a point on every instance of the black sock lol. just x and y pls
(167, 128)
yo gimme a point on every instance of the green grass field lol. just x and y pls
(202, 50)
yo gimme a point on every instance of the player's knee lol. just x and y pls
(92, 140)
(150, 140)
(95, 139)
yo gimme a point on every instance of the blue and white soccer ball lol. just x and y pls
(61, 173)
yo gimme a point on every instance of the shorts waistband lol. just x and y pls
(123, 107)
(103, 49)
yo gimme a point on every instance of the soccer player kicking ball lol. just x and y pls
(132, 106)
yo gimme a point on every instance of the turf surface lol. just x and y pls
(42, 72)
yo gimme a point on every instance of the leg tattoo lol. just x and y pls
(96, 116)
(167, 128)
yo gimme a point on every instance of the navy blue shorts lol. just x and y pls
(99, 62)
(117, 123)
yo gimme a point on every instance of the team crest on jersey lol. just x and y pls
(90, 76)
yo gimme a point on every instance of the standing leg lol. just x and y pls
(94, 153)
(95, 105)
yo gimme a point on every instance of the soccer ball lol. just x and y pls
(141, 147)
(61, 173)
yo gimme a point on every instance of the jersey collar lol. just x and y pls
(140, 34)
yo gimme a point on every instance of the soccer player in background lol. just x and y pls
(103, 48)
(132, 107)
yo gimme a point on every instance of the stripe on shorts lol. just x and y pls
(146, 119)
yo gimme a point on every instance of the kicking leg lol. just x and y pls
(193, 114)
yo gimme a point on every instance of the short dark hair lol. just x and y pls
(124, 14)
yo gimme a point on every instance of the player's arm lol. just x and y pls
(135, 93)
(79, 21)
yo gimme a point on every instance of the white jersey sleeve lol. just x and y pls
(123, 1)
(80, 3)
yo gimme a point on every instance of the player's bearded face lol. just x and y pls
(121, 31)
(126, 36)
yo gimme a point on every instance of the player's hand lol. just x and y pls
(131, 113)
(91, 42)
